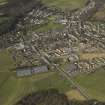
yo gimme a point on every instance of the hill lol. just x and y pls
(12, 10)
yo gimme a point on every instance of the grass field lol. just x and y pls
(65, 4)
(49, 26)
(94, 84)
(6, 62)
(2, 2)
(14, 88)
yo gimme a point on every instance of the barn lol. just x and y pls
(27, 71)
(23, 72)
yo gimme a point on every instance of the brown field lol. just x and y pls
(74, 94)
(90, 56)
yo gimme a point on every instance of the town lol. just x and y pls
(73, 37)
(52, 45)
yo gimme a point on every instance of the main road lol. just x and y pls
(76, 85)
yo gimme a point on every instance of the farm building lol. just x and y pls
(39, 69)
(23, 72)
(27, 71)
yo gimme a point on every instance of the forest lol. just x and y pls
(53, 97)
(14, 10)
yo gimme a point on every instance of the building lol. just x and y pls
(28, 71)
(39, 69)
(72, 68)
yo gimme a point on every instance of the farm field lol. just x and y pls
(14, 88)
(65, 4)
(2, 2)
(6, 62)
(49, 26)
(93, 84)
(74, 94)
(90, 56)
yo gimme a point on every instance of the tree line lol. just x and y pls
(13, 11)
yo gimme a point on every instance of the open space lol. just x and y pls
(2, 2)
(13, 88)
(49, 26)
(65, 4)
(6, 61)
(93, 84)
(90, 56)
(34, 44)
(74, 94)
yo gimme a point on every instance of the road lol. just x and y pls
(81, 90)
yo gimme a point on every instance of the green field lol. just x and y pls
(6, 62)
(65, 4)
(2, 2)
(14, 88)
(94, 84)
(49, 26)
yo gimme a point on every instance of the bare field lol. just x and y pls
(74, 94)
(90, 56)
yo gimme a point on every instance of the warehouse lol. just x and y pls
(27, 71)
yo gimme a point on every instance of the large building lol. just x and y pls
(27, 71)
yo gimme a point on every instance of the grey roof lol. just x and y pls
(72, 68)
(23, 72)
(27, 71)
(39, 69)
